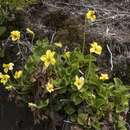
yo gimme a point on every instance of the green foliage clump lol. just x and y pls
(88, 103)
(15, 3)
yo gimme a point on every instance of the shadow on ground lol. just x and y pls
(13, 117)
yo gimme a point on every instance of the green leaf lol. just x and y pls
(97, 126)
(2, 30)
(90, 58)
(86, 95)
(99, 102)
(2, 52)
(69, 109)
(82, 118)
(76, 98)
(117, 82)
(43, 104)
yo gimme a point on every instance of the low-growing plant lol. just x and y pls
(69, 83)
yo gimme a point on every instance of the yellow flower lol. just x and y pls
(90, 15)
(8, 67)
(18, 74)
(95, 48)
(15, 35)
(93, 96)
(58, 44)
(30, 31)
(48, 58)
(67, 54)
(79, 82)
(4, 78)
(1, 75)
(50, 87)
(9, 87)
(30, 104)
(104, 77)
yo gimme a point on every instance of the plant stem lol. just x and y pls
(89, 66)
(84, 36)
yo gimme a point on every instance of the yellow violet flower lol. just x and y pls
(104, 77)
(58, 44)
(9, 87)
(30, 104)
(8, 67)
(93, 96)
(1, 75)
(30, 31)
(18, 74)
(48, 58)
(15, 35)
(90, 15)
(79, 82)
(4, 78)
(95, 48)
(50, 87)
